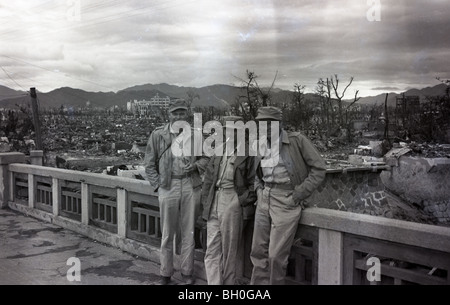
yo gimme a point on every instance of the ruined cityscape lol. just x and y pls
(390, 134)
(387, 156)
(89, 197)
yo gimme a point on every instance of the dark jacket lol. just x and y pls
(306, 167)
(244, 178)
(157, 143)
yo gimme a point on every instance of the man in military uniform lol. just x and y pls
(175, 177)
(281, 189)
(228, 199)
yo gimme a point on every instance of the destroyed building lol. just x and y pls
(144, 108)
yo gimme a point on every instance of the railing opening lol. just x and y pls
(104, 208)
(144, 219)
(302, 263)
(70, 206)
(43, 193)
(20, 188)
(399, 264)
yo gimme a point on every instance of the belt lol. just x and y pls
(218, 188)
(186, 175)
(286, 187)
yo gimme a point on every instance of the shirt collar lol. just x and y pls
(284, 137)
(171, 130)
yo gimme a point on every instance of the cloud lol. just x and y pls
(199, 43)
(386, 89)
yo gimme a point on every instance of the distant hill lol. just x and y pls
(215, 95)
(6, 92)
(171, 90)
(422, 93)
(78, 98)
(10, 97)
(219, 96)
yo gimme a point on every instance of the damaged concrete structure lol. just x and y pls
(361, 190)
(406, 185)
(424, 182)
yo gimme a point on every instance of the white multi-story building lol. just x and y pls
(144, 107)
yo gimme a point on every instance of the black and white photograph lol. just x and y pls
(222, 148)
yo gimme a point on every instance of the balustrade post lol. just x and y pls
(11, 187)
(31, 191)
(85, 203)
(56, 196)
(122, 212)
(330, 258)
(36, 157)
(5, 176)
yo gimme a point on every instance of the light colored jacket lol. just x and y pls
(305, 165)
(157, 143)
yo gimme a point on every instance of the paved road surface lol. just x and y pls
(33, 252)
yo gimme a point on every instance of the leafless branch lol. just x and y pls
(355, 99)
(343, 93)
(273, 83)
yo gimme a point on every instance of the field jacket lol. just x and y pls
(306, 167)
(157, 143)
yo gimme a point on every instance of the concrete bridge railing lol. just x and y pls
(332, 247)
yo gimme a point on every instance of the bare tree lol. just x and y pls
(299, 115)
(254, 96)
(248, 102)
(349, 109)
(340, 96)
(265, 96)
(323, 89)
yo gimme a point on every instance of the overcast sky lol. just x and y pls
(102, 45)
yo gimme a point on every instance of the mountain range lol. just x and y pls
(216, 95)
(437, 90)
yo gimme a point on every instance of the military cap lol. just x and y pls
(177, 104)
(269, 113)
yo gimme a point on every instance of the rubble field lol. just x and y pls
(115, 145)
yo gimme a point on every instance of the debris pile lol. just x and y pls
(16, 131)
(109, 135)
(4, 145)
(91, 143)
(428, 150)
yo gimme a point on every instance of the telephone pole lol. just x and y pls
(386, 127)
(36, 122)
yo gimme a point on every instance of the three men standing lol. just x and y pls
(232, 184)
